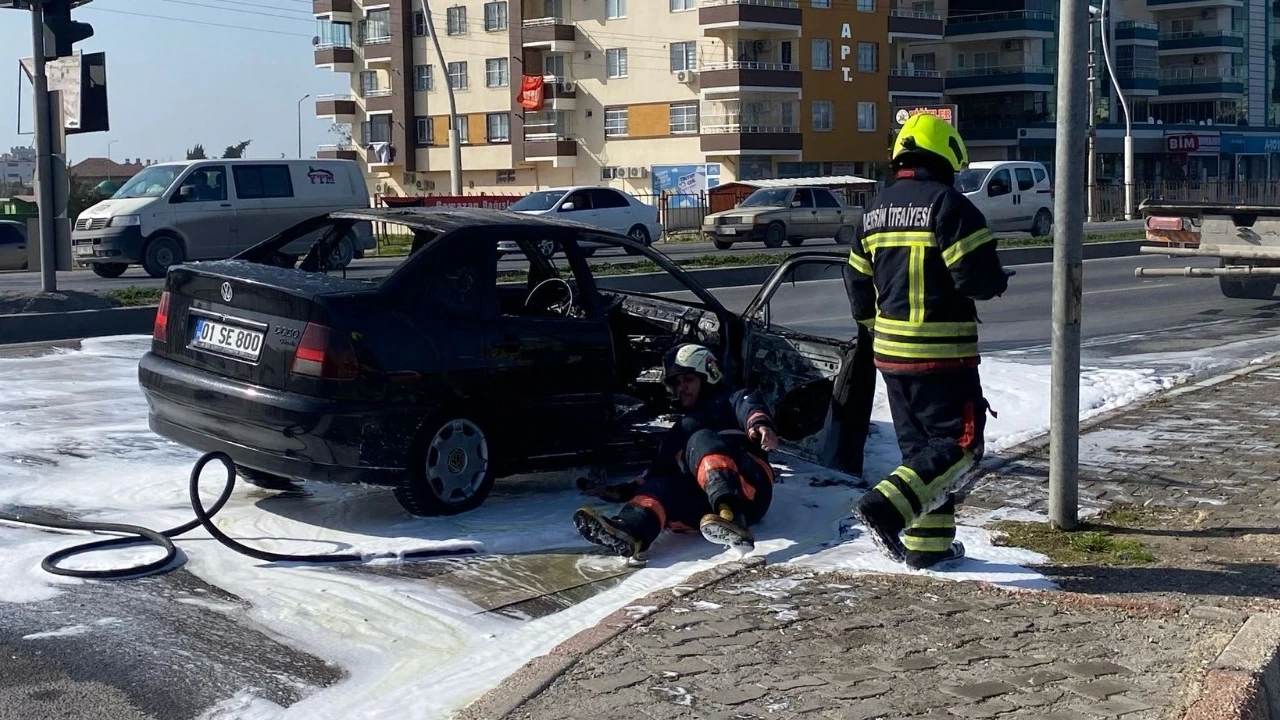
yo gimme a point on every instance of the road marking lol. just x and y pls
(1127, 289)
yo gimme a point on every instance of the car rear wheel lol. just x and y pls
(109, 270)
(343, 253)
(1042, 226)
(844, 236)
(547, 248)
(161, 253)
(775, 235)
(640, 235)
(452, 471)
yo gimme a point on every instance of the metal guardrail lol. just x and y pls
(766, 3)
(747, 65)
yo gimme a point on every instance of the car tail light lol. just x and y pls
(160, 331)
(326, 354)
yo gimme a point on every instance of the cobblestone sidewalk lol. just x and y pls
(786, 642)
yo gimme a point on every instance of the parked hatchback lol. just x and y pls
(601, 207)
(13, 245)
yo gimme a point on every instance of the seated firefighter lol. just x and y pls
(712, 467)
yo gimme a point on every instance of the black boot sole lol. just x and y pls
(955, 552)
(889, 545)
(723, 532)
(594, 529)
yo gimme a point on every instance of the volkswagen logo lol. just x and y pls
(226, 292)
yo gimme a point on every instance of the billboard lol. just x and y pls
(82, 80)
(943, 112)
(684, 185)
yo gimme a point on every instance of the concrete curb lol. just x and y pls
(538, 674)
(47, 327)
(1243, 683)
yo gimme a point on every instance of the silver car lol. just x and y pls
(601, 207)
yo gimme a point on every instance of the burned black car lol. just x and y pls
(447, 374)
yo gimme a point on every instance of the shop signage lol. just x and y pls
(946, 113)
(1250, 144)
(1182, 143)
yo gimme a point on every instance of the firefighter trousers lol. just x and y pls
(939, 419)
(720, 469)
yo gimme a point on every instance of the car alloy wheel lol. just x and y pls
(457, 461)
(547, 248)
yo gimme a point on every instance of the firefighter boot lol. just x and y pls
(728, 526)
(924, 560)
(883, 523)
(627, 534)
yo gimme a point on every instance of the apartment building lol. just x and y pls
(646, 95)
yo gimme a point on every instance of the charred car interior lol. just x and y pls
(452, 371)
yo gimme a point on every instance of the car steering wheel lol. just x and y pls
(562, 306)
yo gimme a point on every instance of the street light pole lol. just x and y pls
(1068, 267)
(109, 161)
(1129, 210)
(304, 97)
(455, 150)
(1092, 181)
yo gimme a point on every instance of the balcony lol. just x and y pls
(750, 125)
(559, 151)
(1000, 78)
(912, 25)
(552, 34)
(338, 58)
(337, 152)
(378, 101)
(1201, 41)
(1200, 81)
(1017, 25)
(908, 81)
(720, 78)
(1136, 31)
(559, 93)
(716, 16)
(332, 8)
(339, 108)
(1172, 5)
(1138, 81)
(377, 50)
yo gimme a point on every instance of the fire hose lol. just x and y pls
(164, 539)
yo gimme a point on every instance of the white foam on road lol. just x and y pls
(410, 643)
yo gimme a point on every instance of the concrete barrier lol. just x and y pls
(45, 327)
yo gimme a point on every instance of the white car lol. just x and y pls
(601, 207)
(1014, 195)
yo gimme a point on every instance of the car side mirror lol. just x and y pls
(566, 207)
(184, 194)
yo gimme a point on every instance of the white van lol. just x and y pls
(212, 209)
(1015, 195)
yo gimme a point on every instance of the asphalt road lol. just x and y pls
(85, 280)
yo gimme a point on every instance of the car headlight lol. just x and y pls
(126, 221)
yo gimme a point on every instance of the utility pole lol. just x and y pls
(1092, 181)
(1068, 267)
(455, 150)
(44, 155)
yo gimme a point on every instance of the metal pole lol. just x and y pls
(1092, 181)
(455, 150)
(1068, 267)
(304, 97)
(44, 156)
(1129, 210)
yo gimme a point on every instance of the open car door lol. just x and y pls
(794, 371)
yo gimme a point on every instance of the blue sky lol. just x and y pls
(176, 82)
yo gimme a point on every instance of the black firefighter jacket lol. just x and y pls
(922, 256)
(717, 411)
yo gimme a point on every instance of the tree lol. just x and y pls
(236, 151)
(343, 131)
(196, 153)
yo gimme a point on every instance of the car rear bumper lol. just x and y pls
(272, 431)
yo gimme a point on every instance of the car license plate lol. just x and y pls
(728, 231)
(85, 250)
(227, 339)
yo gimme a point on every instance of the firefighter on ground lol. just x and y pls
(923, 255)
(712, 470)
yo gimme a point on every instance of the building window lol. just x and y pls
(553, 65)
(867, 6)
(495, 16)
(684, 118)
(377, 129)
(681, 5)
(458, 75)
(823, 116)
(424, 134)
(615, 61)
(615, 9)
(496, 73)
(868, 57)
(615, 122)
(820, 54)
(866, 117)
(368, 82)
(419, 24)
(333, 34)
(506, 177)
(423, 78)
(377, 26)
(822, 3)
(499, 127)
(456, 19)
(461, 127)
(684, 56)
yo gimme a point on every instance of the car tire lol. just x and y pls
(266, 481)
(1247, 289)
(844, 236)
(640, 234)
(775, 235)
(343, 253)
(547, 248)
(1042, 225)
(451, 470)
(109, 270)
(795, 241)
(162, 253)
(722, 244)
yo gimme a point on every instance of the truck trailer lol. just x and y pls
(1244, 238)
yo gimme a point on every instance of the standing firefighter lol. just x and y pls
(712, 470)
(924, 254)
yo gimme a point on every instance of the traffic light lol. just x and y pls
(60, 31)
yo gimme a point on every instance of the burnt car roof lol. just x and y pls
(446, 219)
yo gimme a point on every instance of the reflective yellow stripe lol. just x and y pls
(915, 543)
(935, 522)
(859, 263)
(899, 501)
(926, 329)
(906, 239)
(924, 351)
(915, 284)
(918, 488)
(868, 324)
(966, 245)
(944, 482)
